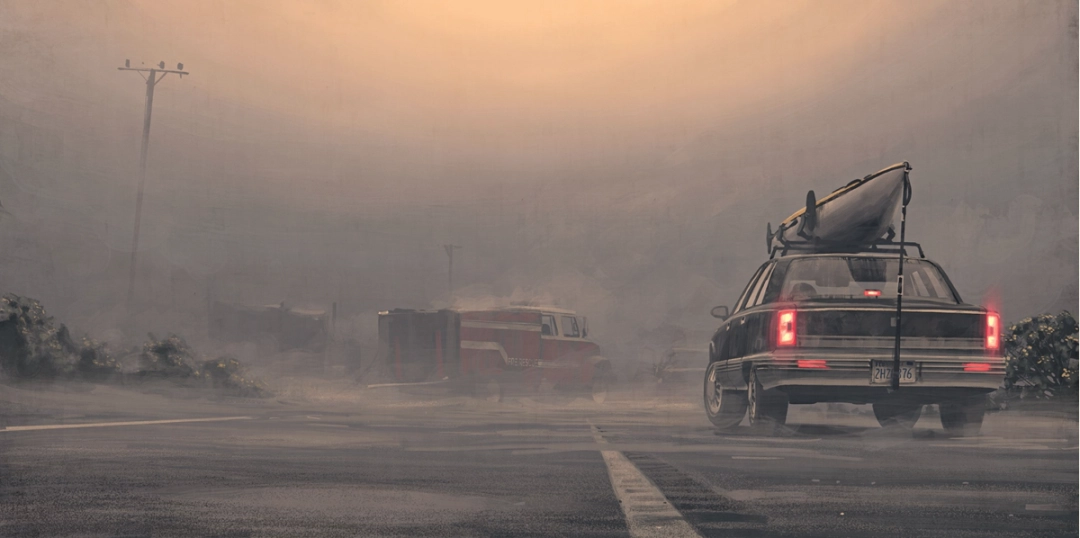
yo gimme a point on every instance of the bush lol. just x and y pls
(227, 373)
(170, 358)
(1041, 356)
(31, 345)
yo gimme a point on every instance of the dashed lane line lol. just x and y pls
(648, 513)
(107, 424)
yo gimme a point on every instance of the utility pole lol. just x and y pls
(152, 78)
(450, 273)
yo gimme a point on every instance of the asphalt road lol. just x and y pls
(433, 466)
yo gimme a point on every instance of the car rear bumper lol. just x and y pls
(937, 374)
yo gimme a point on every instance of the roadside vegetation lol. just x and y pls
(1041, 357)
(1040, 365)
(34, 347)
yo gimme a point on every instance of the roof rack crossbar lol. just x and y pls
(818, 247)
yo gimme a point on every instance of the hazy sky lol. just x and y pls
(490, 89)
(629, 152)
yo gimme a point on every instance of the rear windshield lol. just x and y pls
(844, 277)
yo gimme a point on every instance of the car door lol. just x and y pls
(722, 340)
(731, 340)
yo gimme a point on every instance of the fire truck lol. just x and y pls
(488, 351)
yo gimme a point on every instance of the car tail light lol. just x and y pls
(977, 367)
(993, 331)
(785, 328)
(871, 293)
(812, 363)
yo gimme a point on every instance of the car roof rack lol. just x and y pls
(883, 246)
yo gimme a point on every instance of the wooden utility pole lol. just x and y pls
(152, 77)
(450, 273)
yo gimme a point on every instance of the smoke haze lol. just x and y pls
(619, 158)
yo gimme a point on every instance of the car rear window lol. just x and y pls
(845, 277)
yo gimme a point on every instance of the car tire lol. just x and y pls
(891, 415)
(724, 407)
(963, 418)
(767, 409)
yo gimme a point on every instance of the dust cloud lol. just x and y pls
(620, 159)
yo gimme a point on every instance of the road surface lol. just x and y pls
(436, 466)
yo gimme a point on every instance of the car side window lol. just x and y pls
(569, 327)
(776, 282)
(547, 326)
(759, 294)
(752, 291)
(746, 292)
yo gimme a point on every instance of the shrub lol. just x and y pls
(31, 345)
(96, 361)
(170, 358)
(1041, 356)
(229, 374)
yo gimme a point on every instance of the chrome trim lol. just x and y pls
(887, 342)
(887, 309)
(501, 325)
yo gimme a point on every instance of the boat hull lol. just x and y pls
(857, 214)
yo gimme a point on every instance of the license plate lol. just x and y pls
(881, 372)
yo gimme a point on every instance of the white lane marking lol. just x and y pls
(770, 439)
(105, 424)
(648, 513)
(1046, 508)
(416, 384)
(1014, 445)
(756, 458)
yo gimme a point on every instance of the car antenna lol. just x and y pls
(895, 384)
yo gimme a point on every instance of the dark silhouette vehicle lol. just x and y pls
(821, 327)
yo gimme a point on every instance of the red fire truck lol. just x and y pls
(487, 351)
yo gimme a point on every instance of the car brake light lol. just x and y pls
(785, 328)
(993, 333)
(812, 363)
(872, 293)
(977, 367)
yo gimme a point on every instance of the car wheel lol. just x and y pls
(897, 414)
(725, 408)
(767, 408)
(963, 418)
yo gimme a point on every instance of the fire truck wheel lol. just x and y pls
(489, 388)
(601, 382)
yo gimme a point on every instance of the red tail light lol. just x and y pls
(812, 363)
(785, 328)
(872, 293)
(977, 367)
(993, 331)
